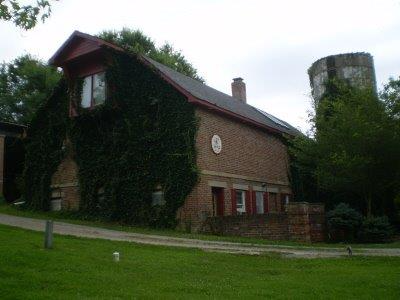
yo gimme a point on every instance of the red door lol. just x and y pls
(218, 201)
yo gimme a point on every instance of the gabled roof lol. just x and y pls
(221, 100)
(197, 92)
(76, 35)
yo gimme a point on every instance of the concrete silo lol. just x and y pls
(356, 68)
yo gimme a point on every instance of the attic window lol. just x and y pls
(93, 90)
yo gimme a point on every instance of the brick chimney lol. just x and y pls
(239, 89)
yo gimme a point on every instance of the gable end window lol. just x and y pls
(93, 90)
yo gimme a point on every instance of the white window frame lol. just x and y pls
(240, 201)
(91, 78)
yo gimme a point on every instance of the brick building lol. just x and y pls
(244, 183)
(11, 159)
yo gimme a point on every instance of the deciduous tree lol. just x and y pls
(353, 155)
(25, 84)
(138, 42)
(25, 16)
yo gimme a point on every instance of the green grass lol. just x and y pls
(72, 218)
(80, 268)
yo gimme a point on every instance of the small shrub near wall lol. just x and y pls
(343, 223)
(375, 230)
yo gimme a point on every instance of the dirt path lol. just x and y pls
(215, 246)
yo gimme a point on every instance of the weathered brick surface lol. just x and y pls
(272, 226)
(65, 181)
(67, 172)
(246, 150)
(317, 222)
(299, 222)
(252, 156)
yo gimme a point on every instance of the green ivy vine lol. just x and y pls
(142, 137)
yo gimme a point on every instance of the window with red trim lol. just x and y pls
(240, 201)
(93, 90)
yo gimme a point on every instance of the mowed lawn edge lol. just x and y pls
(83, 268)
(72, 218)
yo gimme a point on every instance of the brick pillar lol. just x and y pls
(2, 140)
(299, 221)
(317, 222)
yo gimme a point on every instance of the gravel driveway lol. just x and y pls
(214, 246)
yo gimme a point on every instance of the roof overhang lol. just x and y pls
(58, 58)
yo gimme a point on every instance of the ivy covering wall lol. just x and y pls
(43, 147)
(142, 138)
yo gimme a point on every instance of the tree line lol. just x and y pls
(352, 153)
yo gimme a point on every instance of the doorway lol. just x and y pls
(218, 201)
(14, 157)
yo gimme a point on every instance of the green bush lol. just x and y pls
(343, 223)
(375, 230)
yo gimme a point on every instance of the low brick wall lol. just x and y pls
(271, 226)
(299, 222)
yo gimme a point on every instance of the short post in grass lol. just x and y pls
(48, 235)
(116, 256)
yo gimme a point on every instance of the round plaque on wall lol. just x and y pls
(216, 144)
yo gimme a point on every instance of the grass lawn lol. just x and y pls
(83, 268)
(71, 218)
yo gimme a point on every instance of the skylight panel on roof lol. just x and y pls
(272, 118)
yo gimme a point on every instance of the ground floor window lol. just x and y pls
(157, 197)
(240, 201)
(260, 202)
(56, 200)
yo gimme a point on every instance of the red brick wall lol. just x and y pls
(65, 183)
(317, 222)
(67, 172)
(245, 150)
(249, 157)
(273, 226)
(299, 222)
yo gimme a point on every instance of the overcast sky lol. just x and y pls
(270, 44)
